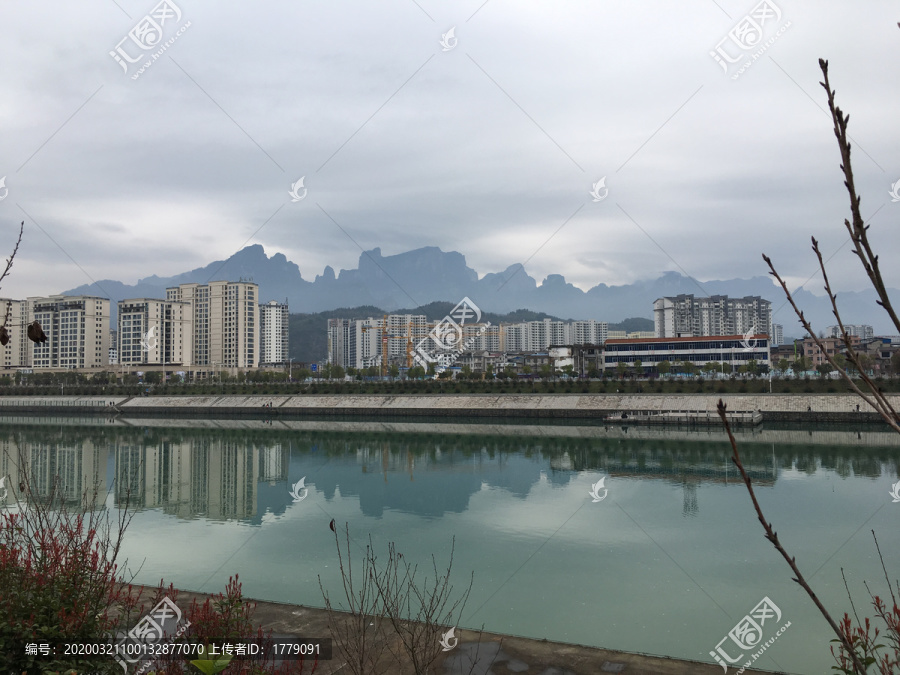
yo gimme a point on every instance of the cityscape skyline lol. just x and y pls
(525, 141)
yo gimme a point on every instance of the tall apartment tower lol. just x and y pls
(153, 332)
(273, 330)
(17, 352)
(687, 316)
(225, 322)
(77, 330)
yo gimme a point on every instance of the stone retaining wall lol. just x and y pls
(775, 407)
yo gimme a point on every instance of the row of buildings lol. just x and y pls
(718, 329)
(359, 343)
(220, 324)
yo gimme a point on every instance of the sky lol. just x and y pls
(481, 127)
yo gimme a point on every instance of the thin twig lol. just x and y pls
(772, 536)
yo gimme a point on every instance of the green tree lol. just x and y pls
(526, 369)
(783, 365)
(593, 372)
(639, 368)
(710, 367)
(621, 369)
(337, 373)
(509, 371)
(866, 362)
(415, 373)
(824, 368)
(801, 364)
(688, 368)
(568, 370)
(394, 371)
(489, 371)
(466, 372)
(546, 371)
(752, 367)
(663, 367)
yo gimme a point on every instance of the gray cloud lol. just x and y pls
(486, 149)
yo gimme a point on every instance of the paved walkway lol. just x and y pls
(493, 654)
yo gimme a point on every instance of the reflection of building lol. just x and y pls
(213, 478)
(273, 463)
(80, 470)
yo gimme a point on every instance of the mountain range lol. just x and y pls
(426, 275)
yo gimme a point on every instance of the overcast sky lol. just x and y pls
(487, 143)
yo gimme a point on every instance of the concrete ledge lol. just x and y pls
(499, 653)
(820, 408)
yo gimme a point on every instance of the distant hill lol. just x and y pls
(429, 278)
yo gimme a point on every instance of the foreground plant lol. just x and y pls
(421, 613)
(857, 646)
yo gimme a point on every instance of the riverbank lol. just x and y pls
(493, 652)
(816, 408)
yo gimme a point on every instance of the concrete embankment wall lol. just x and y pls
(775, 407)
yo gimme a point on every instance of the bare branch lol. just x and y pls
(772, 536)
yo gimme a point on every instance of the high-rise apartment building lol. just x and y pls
(589, 332)
(225, 322)
(862, 331)
(687, 316)
(273, 332)
(77, 330)
(154, 332)
(777, 334)
(17, 352)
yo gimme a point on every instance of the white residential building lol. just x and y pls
(274, 332)
(862, 331)
(17, 352)
(687, 316)
(77, 330)
(777, 334)
(225, 322)
(150, 331)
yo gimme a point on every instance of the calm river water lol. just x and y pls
(667, 561)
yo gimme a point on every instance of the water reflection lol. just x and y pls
(226, 474)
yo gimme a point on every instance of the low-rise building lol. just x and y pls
(729, 350)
